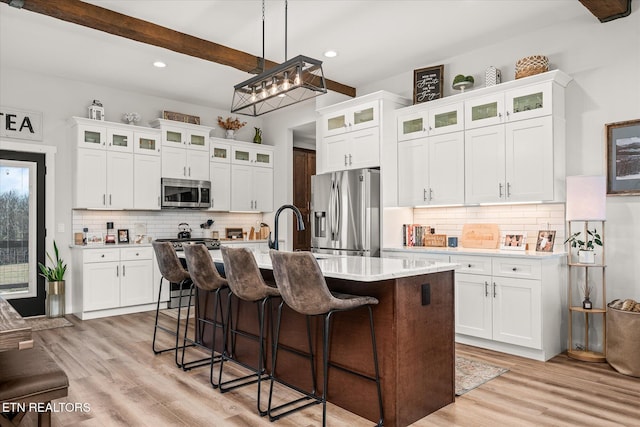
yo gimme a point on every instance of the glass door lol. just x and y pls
(22, 230)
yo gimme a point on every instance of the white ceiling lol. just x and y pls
(375, 39)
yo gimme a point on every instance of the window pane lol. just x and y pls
(17, 219)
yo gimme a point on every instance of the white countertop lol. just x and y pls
(473, 251)
(361, 269)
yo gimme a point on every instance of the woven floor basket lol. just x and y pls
(531, 65)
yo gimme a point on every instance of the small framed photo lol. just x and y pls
(94, 239)
(623, 162)
(233, 233)
(514, 242)
(545, 240)
(123, 236)
(109, 239)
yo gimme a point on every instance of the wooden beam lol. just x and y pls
(118, 24)
(608, 10)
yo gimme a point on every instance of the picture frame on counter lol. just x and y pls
(95, 239)
(623, 158)
(545, 240)
(233, 233)
(109, 239)
(517, 242)
(123, 236)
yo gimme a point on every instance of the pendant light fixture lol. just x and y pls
(293, 81)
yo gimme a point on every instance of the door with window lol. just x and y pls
(22, 230)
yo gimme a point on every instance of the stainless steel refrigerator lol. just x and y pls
(345, 217)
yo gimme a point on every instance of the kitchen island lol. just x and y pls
(414, 323)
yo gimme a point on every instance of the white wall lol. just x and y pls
(604, 61)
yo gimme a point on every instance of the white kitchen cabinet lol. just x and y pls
(353, 150)
(510, 163)
(423, 121)
(110, 281)
(136, 276)
(185, 150)
(352, 118)
(431, 170)
(220, 175)
(147, 142)
(103, 165)
(251, 188)
(103, 179)
(520, 103)
(183, 163)
(242, 154)
(146, 182)
(251, 177)
(509, 304)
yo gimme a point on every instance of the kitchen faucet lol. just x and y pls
(274, 244)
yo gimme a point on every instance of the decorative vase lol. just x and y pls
(586, 257)
(586, 304)
(257, 138)
(55, 299)
(230, 134)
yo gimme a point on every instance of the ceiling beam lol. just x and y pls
(98, 18)
(608, 10)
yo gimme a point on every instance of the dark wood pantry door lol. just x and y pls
(304, 166)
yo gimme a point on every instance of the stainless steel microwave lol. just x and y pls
(185, 193)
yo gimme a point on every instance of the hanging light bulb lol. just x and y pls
(297, 79)
(286, 83)
(274, 85)
(253, 94)
(263, 92)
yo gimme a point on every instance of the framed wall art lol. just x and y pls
(427, 84)
(623, 158)
(545, 240)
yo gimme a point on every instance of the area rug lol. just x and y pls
(40, 323)
(472, 373)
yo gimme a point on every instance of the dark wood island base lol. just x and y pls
(414, 324)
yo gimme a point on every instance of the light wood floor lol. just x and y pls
(112, 368)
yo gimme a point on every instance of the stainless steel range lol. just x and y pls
(211, 244)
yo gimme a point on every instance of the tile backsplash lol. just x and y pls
(162, 224)
(512, 219)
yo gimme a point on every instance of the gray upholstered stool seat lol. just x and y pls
(246, 283)
(205, 278)
(304, 289)
(30, 376)
(172, 271)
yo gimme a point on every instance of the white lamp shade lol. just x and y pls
(586, 198)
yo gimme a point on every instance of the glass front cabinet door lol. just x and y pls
(484, 111)
(445, 119)
(94, 137)
(412, 126)
(119, 140)
(146, 143)
(529, 102)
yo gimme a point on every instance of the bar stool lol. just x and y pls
(172, 271)
(304, 290)
(246, 283)
(205, 278)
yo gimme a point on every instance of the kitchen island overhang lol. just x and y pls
(414, 324)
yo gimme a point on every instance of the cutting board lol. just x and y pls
(484, 236)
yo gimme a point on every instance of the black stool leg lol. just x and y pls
(325, 364)
(199, 330)
(306, 395)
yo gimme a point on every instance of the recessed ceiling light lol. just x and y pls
(331, 54)
(159, 64)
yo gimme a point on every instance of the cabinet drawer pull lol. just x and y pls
(486, 288)
(102, 256)
(469, 265)
(514, 269)
(494, 289)
(123, 271)
(117, 271)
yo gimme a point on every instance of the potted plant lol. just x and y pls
(55, 283)
(230, 126)
(585, 247)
